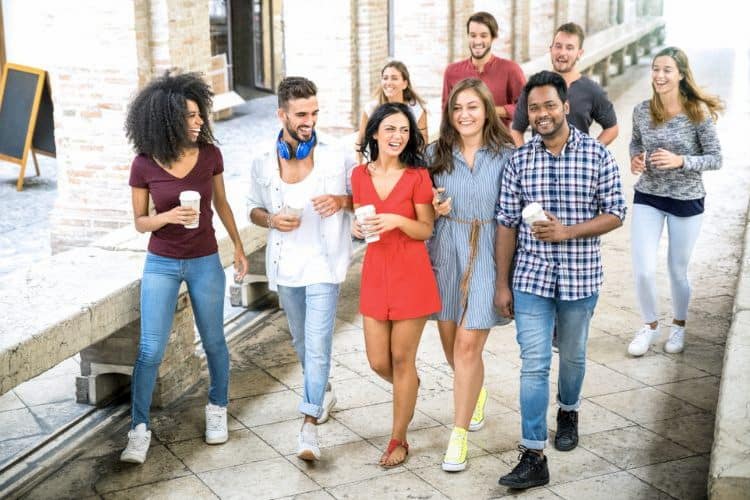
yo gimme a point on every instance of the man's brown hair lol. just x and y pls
(484, 18)
(572, 29)
(295, 87)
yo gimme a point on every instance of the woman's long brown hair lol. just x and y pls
(494, 136)
(694, 100)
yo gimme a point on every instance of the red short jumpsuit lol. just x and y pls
(397, 278)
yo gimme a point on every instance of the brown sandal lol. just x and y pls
(392, 445)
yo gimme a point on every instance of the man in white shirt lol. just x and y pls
(300, 191)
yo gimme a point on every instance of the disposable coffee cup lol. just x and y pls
(191, 199)
(533, 212)
(361, 214)
(294, 211)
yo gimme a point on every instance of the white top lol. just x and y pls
(303, 261)
(333, 166)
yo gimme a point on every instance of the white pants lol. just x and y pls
(646, 227)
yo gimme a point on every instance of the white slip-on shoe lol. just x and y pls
(643, 339)
(139, 439)
(216, 424)
(676, 341)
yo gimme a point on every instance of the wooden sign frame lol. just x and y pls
(41, 82)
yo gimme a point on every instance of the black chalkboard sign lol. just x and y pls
(26, 122)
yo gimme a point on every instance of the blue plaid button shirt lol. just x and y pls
(578, 185)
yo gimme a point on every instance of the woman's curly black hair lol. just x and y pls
(156, 123)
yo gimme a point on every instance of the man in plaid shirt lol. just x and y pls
(558, 268)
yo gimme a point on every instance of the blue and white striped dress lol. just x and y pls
(474, 193)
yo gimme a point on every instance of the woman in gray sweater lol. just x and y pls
(674, 140)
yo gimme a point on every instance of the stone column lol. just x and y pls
(521, 13)
(95, 69)
(425, 40)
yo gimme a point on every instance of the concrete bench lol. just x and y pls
(729, 472)
(611, 46)
(87, 300)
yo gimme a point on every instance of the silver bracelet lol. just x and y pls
(269, 221)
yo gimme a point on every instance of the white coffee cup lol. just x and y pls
(289, 209)
(533, 212)
(191, 199)
(361, 214)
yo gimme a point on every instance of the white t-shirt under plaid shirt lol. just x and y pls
(576, 186)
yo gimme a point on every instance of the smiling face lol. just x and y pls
(665, 77)
(546, 111)
(480, 40)
(299, 118)
(393, 84)
(468, 115)
(193, 120)
(392, 135)
(565, 51)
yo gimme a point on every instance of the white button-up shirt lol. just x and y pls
(333, 166)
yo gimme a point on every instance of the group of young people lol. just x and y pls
(452, 242)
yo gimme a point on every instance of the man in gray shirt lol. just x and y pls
(588, 101)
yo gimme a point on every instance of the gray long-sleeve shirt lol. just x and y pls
(698, 143)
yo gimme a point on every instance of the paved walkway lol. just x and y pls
(646, 423)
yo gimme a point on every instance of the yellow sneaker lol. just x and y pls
(458, 449)
(477, 419)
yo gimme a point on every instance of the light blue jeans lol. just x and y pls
(535, 320)
(311, 313)
(160, 286)
(645, 233)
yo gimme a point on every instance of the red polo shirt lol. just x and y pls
(503, 77)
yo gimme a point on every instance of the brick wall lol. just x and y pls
(542, 27)
(423, 41)
(122, 46)
(372, 49)
(320, 44)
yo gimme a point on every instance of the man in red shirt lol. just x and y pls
(503, 77)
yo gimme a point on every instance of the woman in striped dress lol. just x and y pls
(466, 164)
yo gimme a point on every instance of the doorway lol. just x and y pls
(242, 29)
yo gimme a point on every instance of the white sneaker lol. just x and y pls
(644, 338)
(139, 440)
(216, 424)
(676, 341)
(329, 401)
(308, 442)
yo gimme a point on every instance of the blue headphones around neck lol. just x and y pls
(303, 150)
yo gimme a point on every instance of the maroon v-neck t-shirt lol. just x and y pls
(174, 240)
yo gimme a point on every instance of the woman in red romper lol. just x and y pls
(398, 290)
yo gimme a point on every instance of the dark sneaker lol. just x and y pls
(531, 471)
(566, 437)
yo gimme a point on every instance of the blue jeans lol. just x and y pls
(311, 313)
(160, 287)
(535, 320)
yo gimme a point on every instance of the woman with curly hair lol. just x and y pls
(168, 125)
(398, 290)
(674, 141)
(466, 164)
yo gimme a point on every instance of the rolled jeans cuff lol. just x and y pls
(564, 407)
(310, 410)
(533, 445)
